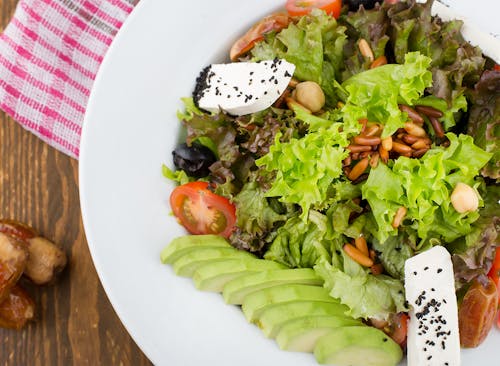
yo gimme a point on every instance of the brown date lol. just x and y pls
(16, 309)
(45, 259)
(13, 259)
(477, 313)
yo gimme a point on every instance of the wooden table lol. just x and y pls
(75, 324)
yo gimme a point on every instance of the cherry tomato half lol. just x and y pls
(274, 22)
(398, 325)
(201, 211)
(494, 272)
(303, 7)
(496, 67)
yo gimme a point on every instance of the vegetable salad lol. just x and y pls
(392, 149)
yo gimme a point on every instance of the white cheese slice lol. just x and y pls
(242, 87)
(433, 337)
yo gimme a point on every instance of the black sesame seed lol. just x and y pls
(251, 72)
(287, 74)
(439, 270)
(415, 273)
(426, 268)
(428, 358)
(385, 339)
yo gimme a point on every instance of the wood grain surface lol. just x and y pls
(75, 324)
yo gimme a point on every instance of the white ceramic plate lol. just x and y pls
(129, 131)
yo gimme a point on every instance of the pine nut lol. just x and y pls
(347, 161)
(384, 154)
(367, 140)
(365, 49)
(387, 143)
(358, 169)
(358, 148)
(360, 179)
(420, 144)
(357, 256)
(415, 130)
(412, 114)
(379, 61)
(373, 130)
(360, 243)
(419, 153)
(374, 160)
(363, 122)
(410, 139)
(377, 269)
(429, 111)
(464, 198)
(437, 126)
(401, 148)
(290, 102)
(399, 216)
(293, 83)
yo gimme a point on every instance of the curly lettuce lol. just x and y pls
(366, 295)
(375, 94)
(423, 186)
(305, 167)
(314, 45)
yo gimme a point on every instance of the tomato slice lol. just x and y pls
(398, 326)
(496, 67)
(494, 272)
(201, 211)
(303, 7)
(274, 22)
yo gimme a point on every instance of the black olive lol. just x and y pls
(194, 160)
(355, 4)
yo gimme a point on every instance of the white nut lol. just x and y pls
(310, 95)
(464, 198)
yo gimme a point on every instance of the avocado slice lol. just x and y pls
(236, 290)
(357, 346)
(273, 318)
(213, 275)
(177, 246)
(301, 334)
(257, 302)
(187, 264)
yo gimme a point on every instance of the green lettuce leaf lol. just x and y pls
(393, 253)
(375, 94)
(300, 243)
(314, 45)
(366, 295)
(256, 218)
(423, 186)
(451, 115)
(178, 176)
(306, 167)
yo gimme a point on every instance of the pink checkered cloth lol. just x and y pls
(49, 56)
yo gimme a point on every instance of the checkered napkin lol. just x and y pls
(49, 56)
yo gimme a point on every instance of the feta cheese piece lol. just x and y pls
(242, 87)
(433, 337)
